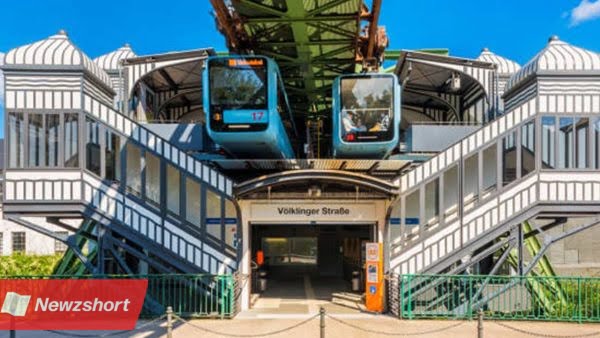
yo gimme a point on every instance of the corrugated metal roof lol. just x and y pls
(505, 66)
(55, 51)
(112, 61)
(558, 56)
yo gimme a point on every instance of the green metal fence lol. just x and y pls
(190, 295)
(500, 297)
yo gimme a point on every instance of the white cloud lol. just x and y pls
(585, 11)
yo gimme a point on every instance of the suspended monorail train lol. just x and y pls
(247, 110)
(366, 115)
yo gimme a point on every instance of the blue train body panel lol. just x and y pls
(248, 132)
(366, 115)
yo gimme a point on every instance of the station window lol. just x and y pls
(92, 146)
(192, 201)
(471, 181)
(413, 210)
(59, 246)
(597, 141)
(582, 127)
(432, 202)
(490, 170)
(36, 140)
(451, 192)
(134, 167)
(112, 158)
(527, 148)
(71, 138)
(152, 178)
(230, 223)
(52, 139)
(213, 214)
(18, 241)
(509, 158)
(565, 143)
(173, 188)
(548, 144)
(16, 140)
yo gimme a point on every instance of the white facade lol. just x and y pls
(35, 242)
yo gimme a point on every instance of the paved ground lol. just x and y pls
(334, 329)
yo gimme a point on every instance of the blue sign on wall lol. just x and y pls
(408, 221)
(218, 220)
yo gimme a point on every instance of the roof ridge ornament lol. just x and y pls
(62, 32)
(553, 39)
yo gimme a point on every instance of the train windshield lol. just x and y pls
(367, 109)
(238, 83)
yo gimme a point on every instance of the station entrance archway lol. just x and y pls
(311, 249)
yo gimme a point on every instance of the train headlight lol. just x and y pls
(217, 117)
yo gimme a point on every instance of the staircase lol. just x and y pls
(175, 243)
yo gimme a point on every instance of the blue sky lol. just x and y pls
(516, 29)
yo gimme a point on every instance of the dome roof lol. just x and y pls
(557, 56)
(55, 51)
(112, 60)
(505, 66)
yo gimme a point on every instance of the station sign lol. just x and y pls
(298, 212)
(374, 280)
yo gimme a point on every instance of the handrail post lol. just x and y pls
(169, 322)
(322, 324)
(480, 323)
(579, 298)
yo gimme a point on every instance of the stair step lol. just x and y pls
(348, 296)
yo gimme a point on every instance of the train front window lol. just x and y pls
(367, 109)
(238, 84)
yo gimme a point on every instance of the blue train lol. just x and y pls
(247, 110)
(366, 115)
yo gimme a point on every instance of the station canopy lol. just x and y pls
(444, 89)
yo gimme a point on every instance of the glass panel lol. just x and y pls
(173, 189)
(295, 250)
(451, 193)
(230, 223)
(548, 142)
(36, 140)
(192, 201)
(490, 170)
(153, 178)
(565, 142)
(52, 128)
(582, 127)
(16, 140)
(238, 83)
(112, 166)
(412, 212)
(71, 140)
(213, 214)
(597, 142)
(509, 158)
(527, 148)
(92, 146)
(432, 202)
(134, 168)
(367, 108)
(471, 181)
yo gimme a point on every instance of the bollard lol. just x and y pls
(13, 332)
(169, 322)
(480, 323)
(322, 314)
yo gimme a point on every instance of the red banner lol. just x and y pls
(71, 304)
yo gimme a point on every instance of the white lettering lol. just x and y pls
(45, 305)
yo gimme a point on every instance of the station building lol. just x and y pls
(113, 150)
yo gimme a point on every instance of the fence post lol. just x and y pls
(480, 323)
(169, 322)
(322, 324)
(579, 298)
(13, 332)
